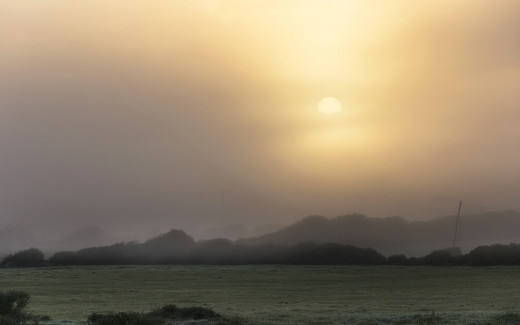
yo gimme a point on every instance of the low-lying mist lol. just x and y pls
(392, 235)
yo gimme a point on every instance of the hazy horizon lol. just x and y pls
(137, 116)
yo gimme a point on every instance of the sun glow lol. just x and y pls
(329, 105)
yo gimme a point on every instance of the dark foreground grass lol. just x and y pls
(171, 314)
(13, 304)
(276, 295)
(507, 318)
(12, 309)
(499, 318)
(165, 315)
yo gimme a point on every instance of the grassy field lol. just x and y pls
(275, 294)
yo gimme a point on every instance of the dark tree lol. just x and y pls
(25, 258)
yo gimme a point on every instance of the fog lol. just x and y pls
(137, 118)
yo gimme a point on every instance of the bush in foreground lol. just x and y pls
(161, 316)
(12, 305)
(124, 319)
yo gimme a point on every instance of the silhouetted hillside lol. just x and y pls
(166, 248)
(176, 247)
(16, 238)
(396, 235)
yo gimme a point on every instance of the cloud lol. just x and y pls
(141, 113)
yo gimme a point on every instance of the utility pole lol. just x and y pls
(457, 225)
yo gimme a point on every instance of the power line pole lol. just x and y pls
(457, 225)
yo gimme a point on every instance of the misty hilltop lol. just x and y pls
(393, 235)
(347, 240)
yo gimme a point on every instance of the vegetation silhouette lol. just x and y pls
(441, 258)
(389, 236)
(13, 304)
(494, 255)
(177, 247)
(396, 235)
(163, 315)
(26, 258)
(12, 309)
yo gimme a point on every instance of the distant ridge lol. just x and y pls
(391, 235)
(394, 235)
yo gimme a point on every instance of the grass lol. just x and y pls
(512, 316)
(276, 294)
(164, 315)
(12, 309)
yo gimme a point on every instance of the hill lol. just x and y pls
(395, 235)
(176, 247)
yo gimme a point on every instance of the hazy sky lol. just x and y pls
(194, 114)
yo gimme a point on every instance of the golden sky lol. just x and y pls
(195, 114)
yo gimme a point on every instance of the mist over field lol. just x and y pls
(139, 117)
(391, 235)
(259, 162)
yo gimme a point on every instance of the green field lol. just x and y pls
(274, 294)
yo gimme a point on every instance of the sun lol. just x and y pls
(329, 105)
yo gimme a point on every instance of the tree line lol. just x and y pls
(176, 247)
(396, 235)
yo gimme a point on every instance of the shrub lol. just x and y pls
(399, 259)
(25, 258)
(441, 258)
(8, 320)
(174, 312)
(12, 303)
(161, 315)
(123, 319)
(494, 255)
(506, 318)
